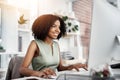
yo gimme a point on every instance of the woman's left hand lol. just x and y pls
(77, 66)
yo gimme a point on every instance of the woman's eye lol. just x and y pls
(53, 26)
(56, 26)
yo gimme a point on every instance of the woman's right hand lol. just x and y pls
(49, 71)
(45, 73)
(39, 74)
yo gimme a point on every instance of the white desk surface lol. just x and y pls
(32, 78)
(61, 72)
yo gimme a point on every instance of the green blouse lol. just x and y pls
(48, 56)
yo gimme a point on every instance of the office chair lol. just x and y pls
(13, 68)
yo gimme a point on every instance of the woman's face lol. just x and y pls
(54, 30)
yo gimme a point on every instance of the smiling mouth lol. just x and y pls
(56, 34)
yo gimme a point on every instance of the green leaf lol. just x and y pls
(76, 27)
(69, 24)
(64, 18)
(73, 29)
(69, 30)
(1, 47)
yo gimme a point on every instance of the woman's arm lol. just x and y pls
(70, 67)
(24, 69)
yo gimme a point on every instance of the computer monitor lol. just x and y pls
(105, 27)
(0, 25)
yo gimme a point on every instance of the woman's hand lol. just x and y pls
(45, 73)
(48, 72)
(77, 66)
(39, 74)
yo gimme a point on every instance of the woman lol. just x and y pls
(43, 51)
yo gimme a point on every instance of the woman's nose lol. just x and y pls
(58, 29)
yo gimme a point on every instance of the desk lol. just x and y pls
(58, 74)
(32, 78)
(67, 77)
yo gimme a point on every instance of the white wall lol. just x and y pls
(9, 28)
(51, 6)
(105, 26)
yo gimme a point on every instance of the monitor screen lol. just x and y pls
(105, 27)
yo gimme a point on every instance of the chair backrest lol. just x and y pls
(13, 68)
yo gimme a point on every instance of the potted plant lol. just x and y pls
(72, 25)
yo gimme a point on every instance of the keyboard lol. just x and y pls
(73, 77)
(81, 72)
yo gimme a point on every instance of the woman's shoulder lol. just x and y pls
(33, 43)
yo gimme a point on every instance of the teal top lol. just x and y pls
(48, 56)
